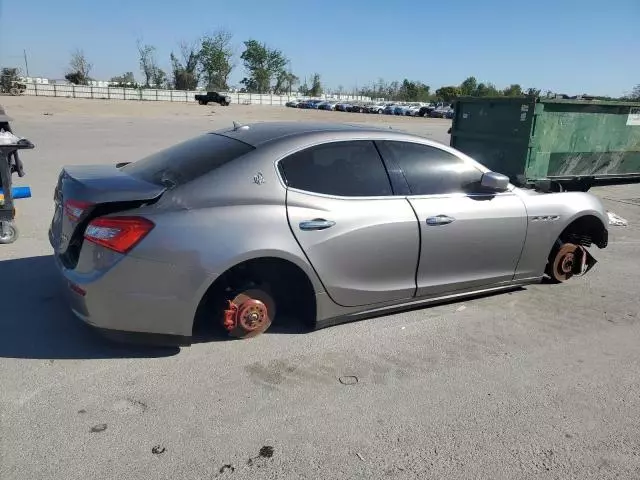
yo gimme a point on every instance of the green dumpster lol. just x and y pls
(573, 143)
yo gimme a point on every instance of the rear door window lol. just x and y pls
(188, 160)
(347, 169)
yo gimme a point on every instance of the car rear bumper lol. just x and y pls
(130, 310)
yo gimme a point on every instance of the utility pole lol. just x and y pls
(26, 64)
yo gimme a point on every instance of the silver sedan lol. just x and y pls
(323, 223)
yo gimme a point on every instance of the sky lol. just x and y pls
(567, 46)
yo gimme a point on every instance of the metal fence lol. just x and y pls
(148, 94)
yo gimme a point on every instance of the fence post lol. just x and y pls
(73, 90)
(108, 93)
(124, 93)
(91, 91)
(156, 94)
(140, 94)
(171, 95)
(55, 90)
(35, 87)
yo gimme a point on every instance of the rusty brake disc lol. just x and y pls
(250, 313)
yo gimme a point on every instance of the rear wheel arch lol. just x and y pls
(288, 283)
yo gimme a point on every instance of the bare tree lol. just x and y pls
(153, 74)
(79, 68)
(147, 61)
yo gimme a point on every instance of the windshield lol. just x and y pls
(188, 160)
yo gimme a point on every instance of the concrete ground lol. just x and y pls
(543, 382)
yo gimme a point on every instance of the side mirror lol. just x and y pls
(496, 182)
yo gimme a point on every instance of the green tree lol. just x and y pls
(413, 91)
(159, 78)
(285, 81)
(448, 93)
(486, 90)
(262, 64)
(8, 76)
(468, 86)
(185, 70)
(215, 58)
(635, 93)
(316, 86)
(513, 90)
(533, 92)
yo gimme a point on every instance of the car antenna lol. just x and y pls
(239, 126)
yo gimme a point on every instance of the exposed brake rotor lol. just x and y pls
(570, 260)
(249, 313)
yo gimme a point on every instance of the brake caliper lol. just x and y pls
(230, 316)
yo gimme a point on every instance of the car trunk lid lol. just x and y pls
(84, 192)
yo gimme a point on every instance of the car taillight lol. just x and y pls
(74, 209)
(120, 234)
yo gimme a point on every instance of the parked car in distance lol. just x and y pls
(213, 97)
(309, 103)
(390, 109)
(343, 106)
(293, 103)
(376, 108)
(413, 110)
(255, 224)
(439, 112)
(425, 110)
(327, 105)
(357, 107)
(401, 109)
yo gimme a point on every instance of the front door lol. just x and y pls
(469, 238)
(362, 241)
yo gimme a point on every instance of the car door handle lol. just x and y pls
(316, 224)
(439, 220)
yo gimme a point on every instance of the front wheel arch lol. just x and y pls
(585, 230)
(582, 232)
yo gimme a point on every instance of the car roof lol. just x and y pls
(259, 133)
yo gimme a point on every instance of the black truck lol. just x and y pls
(213, 97)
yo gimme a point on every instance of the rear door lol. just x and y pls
(362, 241)
(469, 238)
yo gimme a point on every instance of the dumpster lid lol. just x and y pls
(566, 101)
(577, 101)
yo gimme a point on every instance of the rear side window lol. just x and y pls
(188, 160)
(347, 169)
(430, 170)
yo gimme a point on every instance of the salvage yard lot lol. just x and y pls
(542, 382)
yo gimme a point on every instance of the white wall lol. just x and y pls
(116, 93)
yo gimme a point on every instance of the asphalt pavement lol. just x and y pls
(542, 382)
